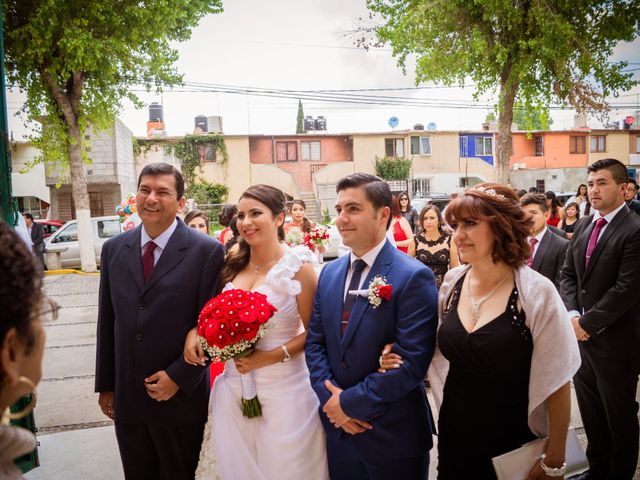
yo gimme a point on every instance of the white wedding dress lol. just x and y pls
(287, 441)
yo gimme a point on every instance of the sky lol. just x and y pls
(304, 45)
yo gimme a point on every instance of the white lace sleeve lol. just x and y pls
(280, 277)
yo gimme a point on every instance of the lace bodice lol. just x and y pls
(281, 288)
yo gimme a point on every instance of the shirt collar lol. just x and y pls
(162, 239)
(370, 257)
(609, 216)
(539, 236)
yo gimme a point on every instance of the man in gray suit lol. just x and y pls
(548, 249)
(154, 280)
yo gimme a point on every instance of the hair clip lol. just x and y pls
(488, 191)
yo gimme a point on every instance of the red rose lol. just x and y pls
(384, 292)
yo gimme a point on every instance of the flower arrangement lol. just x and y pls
(229, 326)
(318, 237)
(379, 290)
(294, 237)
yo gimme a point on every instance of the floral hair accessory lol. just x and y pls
(379, 290)
(488, 191)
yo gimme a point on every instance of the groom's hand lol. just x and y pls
(355, 426)
(160, 387)
(332, 408)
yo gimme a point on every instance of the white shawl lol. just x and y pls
(555, 357)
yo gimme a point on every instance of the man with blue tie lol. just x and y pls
(377, 424)
(599, 286)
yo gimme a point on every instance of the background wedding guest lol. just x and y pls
(433, 245)
(298, 211)
(224, 218)
(408, 211)
(22, 307)
(599, 287)
(402, 232)
(234, 237)
(547, 249)
(572, 215)
(36, 231)
(154, 280)
(556, 213)
(630, 196)
(581, 199)
(503, 341)
(199, 220)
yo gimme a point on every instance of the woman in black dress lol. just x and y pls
(506, 352)
(572, 215)
(433, 245)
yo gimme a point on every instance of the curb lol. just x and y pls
(65, 271)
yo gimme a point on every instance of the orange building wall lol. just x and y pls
(556, 151)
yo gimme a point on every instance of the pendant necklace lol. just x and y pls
(256, 267)
(476, 304)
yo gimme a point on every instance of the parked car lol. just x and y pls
(50, 226)
(67, 236)
(440, 201)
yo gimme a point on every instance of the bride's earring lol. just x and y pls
(8, 415)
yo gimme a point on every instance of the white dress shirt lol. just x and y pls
(160, 241)
(369, 258)
(538, 237)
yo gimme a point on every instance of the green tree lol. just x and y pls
(300, 119)
(532, 119)
(533, 52)
(77, 60)
(204, 192)
(392, 168)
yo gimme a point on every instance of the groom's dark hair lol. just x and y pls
(376, 190)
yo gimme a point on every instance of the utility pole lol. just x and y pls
(8, 210)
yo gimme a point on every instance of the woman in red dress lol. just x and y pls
(401, 229)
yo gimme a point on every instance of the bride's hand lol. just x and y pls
(389, 360)
(193, 353)
(253, 361)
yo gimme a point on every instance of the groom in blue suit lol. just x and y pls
(378, 424)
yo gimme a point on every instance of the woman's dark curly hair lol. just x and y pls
(498, 205)
(20, 288)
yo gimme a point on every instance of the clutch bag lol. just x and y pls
(516, 464)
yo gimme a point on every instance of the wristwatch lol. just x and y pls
(551, 471)
(287, 357)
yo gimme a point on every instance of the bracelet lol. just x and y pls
(552, 471)
(287, 357)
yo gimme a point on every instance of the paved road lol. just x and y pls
(76, 441)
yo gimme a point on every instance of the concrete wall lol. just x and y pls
(566, 179)
(617, 146)
(634, 141)
(236, 173)
(125, 164)
(276, 177)
(33, 182)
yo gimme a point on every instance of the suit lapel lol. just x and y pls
(172, 255)
(381, 266)
(134, 257)
(611, 228)
(542, 249)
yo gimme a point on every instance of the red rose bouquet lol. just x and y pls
(229, 326)
(318, 237)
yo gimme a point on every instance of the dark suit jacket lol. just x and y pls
(142, 327)
(557, 231)
(549, 257)
(37, 237)
(394, 402)
(606, 292)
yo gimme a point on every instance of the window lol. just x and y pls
(69, 234)
(638, 144)
(577, 144)
(484, 146)
(598, 143)
(30, 205)
(310, 151)
(206, 152)
(108, 228)
(394, 147)
(540, 186)
(95, 204)
(539, 141)
(286, 151)
(420, 145)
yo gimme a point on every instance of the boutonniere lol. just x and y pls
(379, 290)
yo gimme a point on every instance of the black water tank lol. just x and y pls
(418, 126)
(202, 123)
(309, 123)
(155, 112)
(321, 123)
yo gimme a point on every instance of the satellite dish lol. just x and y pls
(393, 122)
(432, 127)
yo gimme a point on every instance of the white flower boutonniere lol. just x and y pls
(379, 290)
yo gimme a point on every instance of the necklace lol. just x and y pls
(476, 304)
(256, 267)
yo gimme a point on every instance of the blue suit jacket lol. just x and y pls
(142, 326)
(394, 402)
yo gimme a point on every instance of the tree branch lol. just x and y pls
(62, 99)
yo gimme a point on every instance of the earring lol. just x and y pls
(8, 415)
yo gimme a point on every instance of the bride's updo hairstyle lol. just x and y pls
(274, 200)
(498, 205)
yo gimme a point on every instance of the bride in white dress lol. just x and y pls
(287, 441)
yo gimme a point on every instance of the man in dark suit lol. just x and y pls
(599, 286)
(548, 249)
(154, 280)
(630, 196)
(37, 237)
(377, 424)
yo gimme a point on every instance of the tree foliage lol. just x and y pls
(204, 192)
(190, 150)
(528, 51)
(392, 168)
